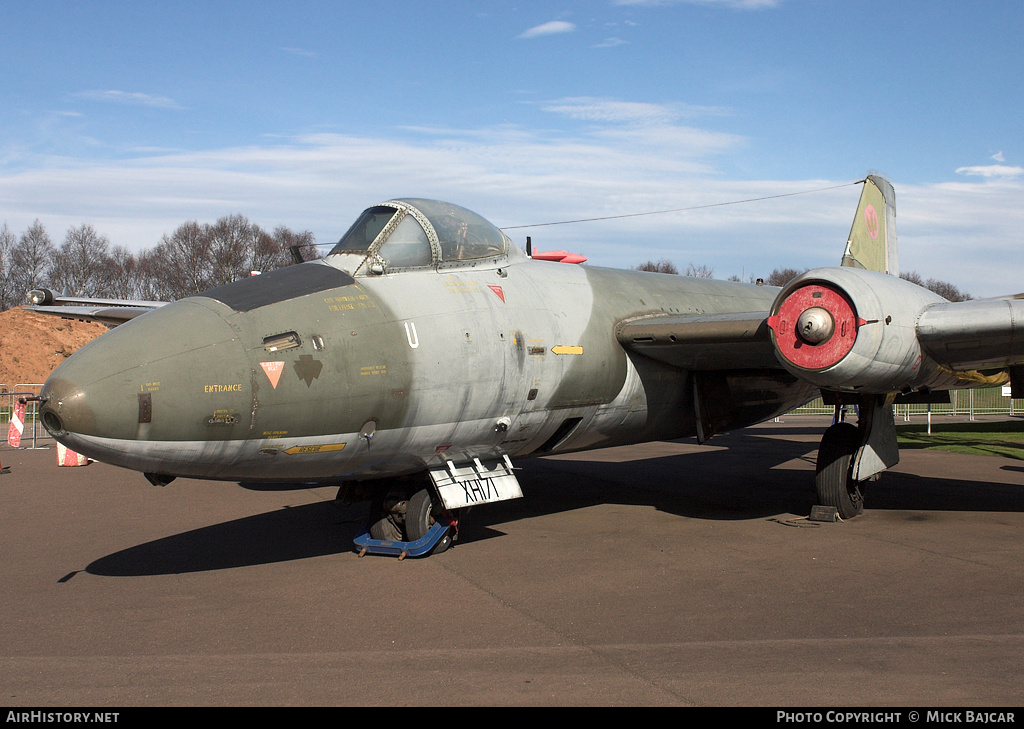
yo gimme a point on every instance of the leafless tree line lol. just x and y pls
(666, 266)
(199, 256)
(195, 257)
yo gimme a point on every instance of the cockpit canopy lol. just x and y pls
(415, 233)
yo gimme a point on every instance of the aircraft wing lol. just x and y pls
(980, 334)
(957, 337)
(105, 311)
(703, 342)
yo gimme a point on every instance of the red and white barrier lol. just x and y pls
(17, 425)
(67, 457)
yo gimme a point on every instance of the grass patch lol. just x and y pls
(1000, 438)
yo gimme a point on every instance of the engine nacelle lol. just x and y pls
(853, 330)
(41, 297)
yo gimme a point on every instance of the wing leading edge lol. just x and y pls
(979, 334)
(703, 342)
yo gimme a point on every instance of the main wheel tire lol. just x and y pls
(420, 515)
(833, 477)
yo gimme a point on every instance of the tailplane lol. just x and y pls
(872, 241)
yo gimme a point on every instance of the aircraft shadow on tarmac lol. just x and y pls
(282, 535)
(748, 480)
(745, 479)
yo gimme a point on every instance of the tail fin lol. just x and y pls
(872, 241)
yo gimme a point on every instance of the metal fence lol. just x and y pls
(34, 435)
(969, 403)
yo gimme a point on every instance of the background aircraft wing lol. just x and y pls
(109, 315)
(105, 311)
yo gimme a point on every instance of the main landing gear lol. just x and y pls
(850, 455)
(832, 479)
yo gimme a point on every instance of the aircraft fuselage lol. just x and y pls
(384, 375)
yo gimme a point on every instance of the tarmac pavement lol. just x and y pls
(661, 574)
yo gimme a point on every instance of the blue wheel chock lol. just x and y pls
(419, 548)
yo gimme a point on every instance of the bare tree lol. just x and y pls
(265, 251)
(782, 276)
(702, 271)
(30, 260)
(288, 239)
(943, 288)
(238, 248)
(7, 292)
(230, 241)
(662, 266)
(80, 265)
(181, 262)
(150, 281)
(122, 279)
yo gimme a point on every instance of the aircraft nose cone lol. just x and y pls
(65, 408)
(144, 380)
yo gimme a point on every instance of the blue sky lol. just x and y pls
(135, 117)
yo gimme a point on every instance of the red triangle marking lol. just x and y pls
(273, 370)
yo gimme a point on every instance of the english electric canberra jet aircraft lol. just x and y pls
(426, 352)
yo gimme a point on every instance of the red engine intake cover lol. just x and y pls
(824, 354)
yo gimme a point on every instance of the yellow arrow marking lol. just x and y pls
(314, 448)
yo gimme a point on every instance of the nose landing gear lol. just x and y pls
(404, 525)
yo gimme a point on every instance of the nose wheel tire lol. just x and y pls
(420, 515)
(833, 478)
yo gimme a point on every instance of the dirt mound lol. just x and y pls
(32, 345)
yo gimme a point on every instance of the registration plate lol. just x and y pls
(475, 483)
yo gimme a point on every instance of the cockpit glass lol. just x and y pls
(463, 234)
(407, 245)
(422, 226)
(365, 230)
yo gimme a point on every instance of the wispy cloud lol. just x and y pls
(128, 98)
(553, 27)
(612, 110)
(991, 171)
(737, 4)
(610, 43)
(299, 52)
